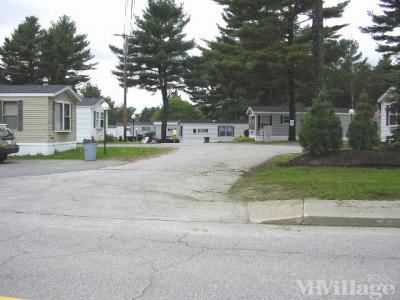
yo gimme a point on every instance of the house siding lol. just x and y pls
(281, 130)
(84, 123)
(385, 130)
(35, 116)
(189, 136)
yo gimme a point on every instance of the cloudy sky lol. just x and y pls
(101, 19)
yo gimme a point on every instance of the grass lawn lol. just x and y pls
(274, 182)
(127, 154)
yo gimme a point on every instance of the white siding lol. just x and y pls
(385, 130)
(83, 124)
(97, 133)
(188, 134)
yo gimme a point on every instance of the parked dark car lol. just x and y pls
(8, 145)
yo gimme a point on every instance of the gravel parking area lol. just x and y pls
(17, 168)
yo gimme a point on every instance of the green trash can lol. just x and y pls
(89, 149)
(206, 139)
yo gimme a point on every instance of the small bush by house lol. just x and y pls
(243, 139)
(363, 130)
(321, 131)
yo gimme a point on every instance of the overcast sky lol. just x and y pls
(101, 19)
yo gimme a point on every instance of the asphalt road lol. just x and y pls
(164, 228)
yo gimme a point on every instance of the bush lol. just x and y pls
(321, 131)
(110, 138)
(243, 139)
(363, 130)
(151, 134)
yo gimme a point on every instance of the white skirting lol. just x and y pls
(261, 138)
(44, 148)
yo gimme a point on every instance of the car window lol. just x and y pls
(5, 132)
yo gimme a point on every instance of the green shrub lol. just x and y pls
(363, 130)
(321, 131)
(243, 139)
(150, 134)
(110, 138)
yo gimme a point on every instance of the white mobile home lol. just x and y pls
(225, 131)
(272, 122)
(141, 128)
(197, 131)
(90, 120)
(388, 119)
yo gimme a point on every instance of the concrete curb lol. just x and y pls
(326, 213)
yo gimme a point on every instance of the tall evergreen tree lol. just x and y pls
(385, 28)
(20, 54)
(348, 75)
(261, 57)
(65, 54)
(90, 90)
(318, 46)
(158, 52)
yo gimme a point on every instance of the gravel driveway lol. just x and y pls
(189, 184)
(163, 228)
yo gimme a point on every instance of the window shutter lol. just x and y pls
(270, 120)
(54, 116)
(281, 119)
(387, 116)
(20, 115)
(1, 111)
(70, 116)
(94, 119)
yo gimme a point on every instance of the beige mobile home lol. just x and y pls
(43, 118)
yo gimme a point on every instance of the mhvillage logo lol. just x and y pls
(372, 287)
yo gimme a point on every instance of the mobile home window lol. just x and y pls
(10, 114)
(285, 119)
(265, 120)
(226, 131)
(62, 116)
(98, 119)
(202, 130)
(391, 117)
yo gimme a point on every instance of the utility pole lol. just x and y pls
(125, 53)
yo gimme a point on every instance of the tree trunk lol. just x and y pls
(291, 86)
(165, 113)
(318, 47)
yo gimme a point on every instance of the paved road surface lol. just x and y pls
(164, 229)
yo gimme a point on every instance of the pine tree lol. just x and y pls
(385, 28)
(158, 52)
(20, 54)
(348, 75)
(90, 90)
(318, 47)
(261, 57)
(65, 54)
(363, 130)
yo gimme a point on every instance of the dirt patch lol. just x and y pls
(348, 158)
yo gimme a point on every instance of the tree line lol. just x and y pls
(269, 52)
(57, 55)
